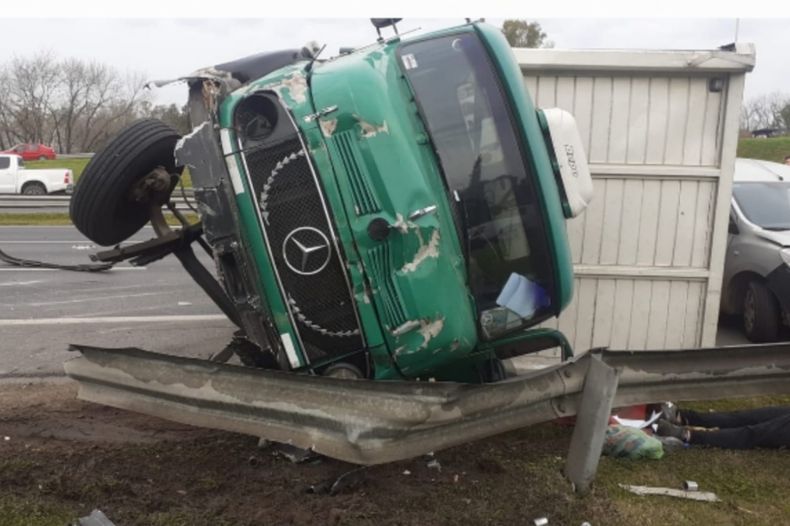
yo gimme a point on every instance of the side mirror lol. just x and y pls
(378, 23)
(732, 228)
(565, 145)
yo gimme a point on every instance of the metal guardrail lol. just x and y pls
(75, 155)
(60, 203)
(371, 422)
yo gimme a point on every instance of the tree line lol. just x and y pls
(76, 105)
(72, 105)
(766, 112)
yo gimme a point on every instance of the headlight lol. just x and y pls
(785, 253)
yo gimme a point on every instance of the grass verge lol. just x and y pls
(62, 218)
(773, 149)
(77, 166)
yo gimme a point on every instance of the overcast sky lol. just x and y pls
(167, 48)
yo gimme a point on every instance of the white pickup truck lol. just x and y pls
(16, 179)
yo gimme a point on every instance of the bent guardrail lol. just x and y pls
(373, 422)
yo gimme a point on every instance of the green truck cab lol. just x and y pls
(394, 212)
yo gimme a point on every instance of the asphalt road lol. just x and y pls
(157, 307)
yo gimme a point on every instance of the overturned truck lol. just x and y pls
(388, 227)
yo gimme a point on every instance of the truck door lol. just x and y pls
(7, 175)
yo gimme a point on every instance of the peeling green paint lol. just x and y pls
(375, 160)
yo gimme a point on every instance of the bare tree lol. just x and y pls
(71, 104)
(766, 111)
(174, 116)
(116, 102)
(521, 33)
(6, 136)
(31, 85)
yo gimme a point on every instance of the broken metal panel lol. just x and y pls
(201, 153)
(370, 422)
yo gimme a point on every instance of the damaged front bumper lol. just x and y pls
(372, 422)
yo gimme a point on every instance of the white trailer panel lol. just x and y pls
(661, 129)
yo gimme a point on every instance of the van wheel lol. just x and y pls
(760, 314)
(120, 184)
(34, 189)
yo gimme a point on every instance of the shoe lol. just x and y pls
(671, 444)
(669, 412)
(666, 428)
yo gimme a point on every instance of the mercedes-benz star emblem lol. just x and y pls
(306, 250)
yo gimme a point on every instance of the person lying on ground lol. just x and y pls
(765, 427)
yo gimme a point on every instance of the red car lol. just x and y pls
(32, 152)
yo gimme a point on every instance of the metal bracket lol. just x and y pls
(600, 386)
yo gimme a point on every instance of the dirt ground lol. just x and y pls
(61, 458)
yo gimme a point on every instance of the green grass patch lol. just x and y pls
(62, 218)
(772, 149)
(31, 219)
(77, 166)
(32, 511)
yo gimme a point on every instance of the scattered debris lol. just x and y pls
(434, 464)
(406, 472)
(347, 482)
(6, 438)
(455, 478)
(541, 521)
(705, 496)
(295, 454)
(96, 518)
(690, 485)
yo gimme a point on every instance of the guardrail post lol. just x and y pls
(600, 386)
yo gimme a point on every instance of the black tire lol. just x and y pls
(101, 207)
(760, 314)
(34, 189)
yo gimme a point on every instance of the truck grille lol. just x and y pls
(301, 244)
(345, 147)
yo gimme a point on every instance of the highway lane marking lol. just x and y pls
(115, 319)
(13, 283)
(94, 298)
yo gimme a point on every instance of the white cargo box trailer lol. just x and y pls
(661, 132)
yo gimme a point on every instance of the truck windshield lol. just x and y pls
(767, 204)
(490, 182)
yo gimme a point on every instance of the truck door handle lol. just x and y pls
(420, 212)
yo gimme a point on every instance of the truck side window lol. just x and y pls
(5, 163)
(467, 114)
